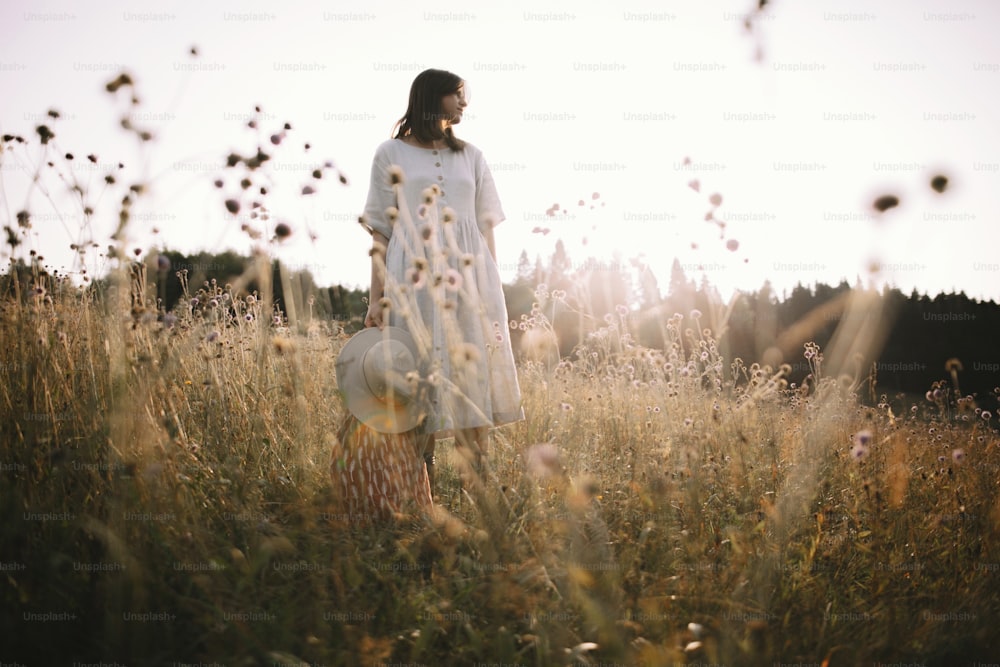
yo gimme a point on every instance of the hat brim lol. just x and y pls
(373, 411)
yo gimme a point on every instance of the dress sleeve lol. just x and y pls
(489, 212)
(380, 196)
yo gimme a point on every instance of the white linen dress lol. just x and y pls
(442, 282)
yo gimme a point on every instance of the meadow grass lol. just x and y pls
(167, 488)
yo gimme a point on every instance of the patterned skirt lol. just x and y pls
(378, 476)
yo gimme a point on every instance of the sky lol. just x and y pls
(611, 111)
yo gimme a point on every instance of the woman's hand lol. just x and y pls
(374, 316)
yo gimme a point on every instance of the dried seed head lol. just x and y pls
(395, 175)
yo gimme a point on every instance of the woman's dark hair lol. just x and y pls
(423, 114)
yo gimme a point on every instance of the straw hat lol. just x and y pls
(372, 374)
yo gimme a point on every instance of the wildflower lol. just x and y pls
(422, 211)
(986, 415)
(467, 353)
(622, 310)
(468, 259)
(248, 317)
(958, 455)
(863, 438)
(385, 303)
(282, 230)
(565, 407)
(452, 280)
(695, 314)
(251, 300)
(416, 278)
(858, 451)
(732, 245)
(543, 460)
(885, 202)
(395, 175)
(212, 337)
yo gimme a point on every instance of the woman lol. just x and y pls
(431, 209)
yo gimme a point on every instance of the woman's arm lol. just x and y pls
(491, 242)
(374, 316)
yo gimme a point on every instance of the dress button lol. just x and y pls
(440, 178)
(437, 164)
(434, 152)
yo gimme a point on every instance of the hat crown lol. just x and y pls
(386, 365)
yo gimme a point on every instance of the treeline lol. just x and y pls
(330, 303)
(947, 339)
(169, 276)
(925, 335)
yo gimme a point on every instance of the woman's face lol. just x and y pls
(453, 104)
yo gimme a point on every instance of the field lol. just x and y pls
(166, 483)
